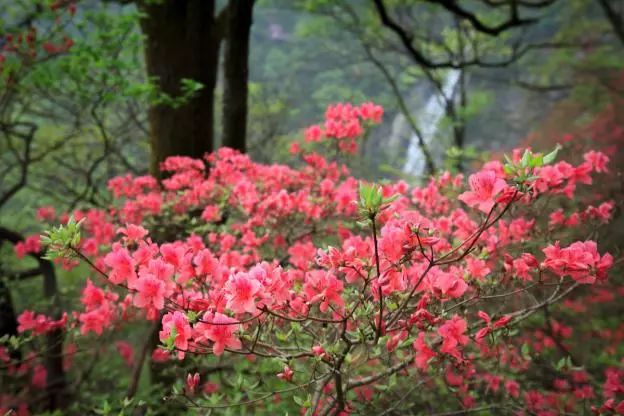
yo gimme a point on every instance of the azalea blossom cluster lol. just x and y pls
(344, 124)
(345, 285)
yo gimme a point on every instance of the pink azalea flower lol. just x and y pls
(150, 292)
(31, 245)
(240, 292)
(286, 374)
(453, 335)
(95, 320)
(133, 233)
(423, 352)
(580, 260)
(122, 265)
(597, 160)
(484, 185)
(176, 323)
(477, 268)
(221, 330)
(323, 287)
(450, 285)
(192, 381)
(39, 377)
(126, 352)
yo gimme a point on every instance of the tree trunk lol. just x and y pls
(55, 382)
(182, 41)
(8, 318)
(56, 394)
(236, 69)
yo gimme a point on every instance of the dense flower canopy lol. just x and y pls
(338, 280)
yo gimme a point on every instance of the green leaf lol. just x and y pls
(550, 157)
(525, 350)
(526, 157)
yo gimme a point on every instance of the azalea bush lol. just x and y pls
(326, 295)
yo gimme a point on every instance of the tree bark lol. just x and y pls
(182, 41)
(8, 317)
(56, 386)
(236, 70)
(616, 20)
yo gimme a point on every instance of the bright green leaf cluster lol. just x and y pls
(60, 241)
(372, 201)
(522, 170)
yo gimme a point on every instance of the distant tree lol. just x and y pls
(183, 40)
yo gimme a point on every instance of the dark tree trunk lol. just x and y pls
(239, 20)
(182, 41)
(56, 384)
(615, 19)
(8, 318)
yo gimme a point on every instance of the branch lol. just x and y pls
(24, 161)
(513, 21)
(406, 40)
(616, 20)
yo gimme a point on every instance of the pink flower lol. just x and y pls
(450, 285)
(92, 296)
(122, 265)
(580, 260)
(31, 245)
(176, 324)
(423, 352)
(150, 292)
(126, 352)
(28, 321)
(324, 287)
(240, 292)
(95, 320)
(302, 254)
(39, 377)
(523, 266)
(371, 111)
(557, 218)
(160, 356)
(477, 268)
(484, 185)
(47, 213)
(513, 388)
(313, 133)
(286, 374)
(192, 381)
(502, 322)
(133, 233)
(221, 330)
(210, 213)
(453, 335)
(319, 351)
(210, 387)
(597, 160)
